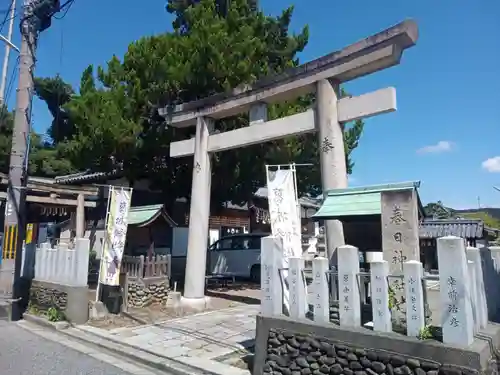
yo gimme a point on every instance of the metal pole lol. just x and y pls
(15, 214)
(8, 46)
(106, 240)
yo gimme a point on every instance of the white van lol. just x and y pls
(236, 256)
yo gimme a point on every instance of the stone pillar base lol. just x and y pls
(199, 304)
(174, 299)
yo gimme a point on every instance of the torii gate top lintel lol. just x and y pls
(376, 52)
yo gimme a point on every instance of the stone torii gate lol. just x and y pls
(322, 76)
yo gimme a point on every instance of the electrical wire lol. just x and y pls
(66, 5)
(6, 17)
(10, 86)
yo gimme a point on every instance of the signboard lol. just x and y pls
(116, 235)
(228, 231)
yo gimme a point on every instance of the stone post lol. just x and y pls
(473, 293)
(495, 256)
(491, 290)
(297, 288)
(271, 259)
(380, 296)
(320, 290)
(194, 285)
(82, 252)
(60, 276)
(481, 303)
(332, 156)
(457, 319)
(80, 216)
(400, 240)
(415, 307)
(348, 271)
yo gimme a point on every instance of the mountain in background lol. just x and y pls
(491, 211)
(489, 215)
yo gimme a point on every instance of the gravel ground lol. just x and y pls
(234, 295)
(24, 353)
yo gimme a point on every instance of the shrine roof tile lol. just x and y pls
(435, 228)
(361, 201)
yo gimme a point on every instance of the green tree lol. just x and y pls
(211, 50)
(56, 93)
(45, 159)
(6, 125)
(437, 210)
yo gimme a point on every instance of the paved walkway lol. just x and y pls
(207, 335)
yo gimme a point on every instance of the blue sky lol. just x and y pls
(446, 130)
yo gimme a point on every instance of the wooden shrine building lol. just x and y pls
(47, 201)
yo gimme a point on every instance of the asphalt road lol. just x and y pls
(26, 353)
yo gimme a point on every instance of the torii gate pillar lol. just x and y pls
(199, 213)
(332, 156)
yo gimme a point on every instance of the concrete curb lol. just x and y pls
(189, 366)
(44, 322)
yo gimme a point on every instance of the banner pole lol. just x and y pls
(106, 238)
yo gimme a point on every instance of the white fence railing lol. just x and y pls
(63, 265)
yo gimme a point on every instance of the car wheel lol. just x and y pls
(255, 273)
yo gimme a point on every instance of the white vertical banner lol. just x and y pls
(116, 235)
(284, 212)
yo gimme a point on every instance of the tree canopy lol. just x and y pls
(112, 122)
(46, 158)
(438, 211)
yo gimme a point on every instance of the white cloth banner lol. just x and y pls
(116, 234)
(284, 211)
(285, 220)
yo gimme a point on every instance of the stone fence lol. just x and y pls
(142, 267)
(60, 279)
(148, 279)
(461, 299)
(307, 342)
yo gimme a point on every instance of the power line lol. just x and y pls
(10, 86)
(6, 17)
(66, 5)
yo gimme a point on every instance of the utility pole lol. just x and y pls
(35, 18)
(8, 46)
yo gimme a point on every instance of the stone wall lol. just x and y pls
(292, 354)
(72, 300)
(291, 347)
(43, 298)
(142, 294)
